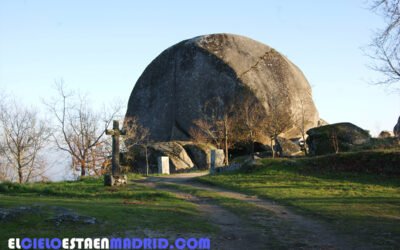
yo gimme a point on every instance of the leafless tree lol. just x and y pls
(300, 121)
(80, 130)
(279, 117)
(23, 138)
(217, 126)
(385, 46)
(136, 134)
(334, 140)
(251, 120)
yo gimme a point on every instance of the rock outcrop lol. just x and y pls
(322, 122)
(385, 134)
(200, 154)
(183, 156)
(339, 137)
(287, 147)
(174, 89)
(396, 129)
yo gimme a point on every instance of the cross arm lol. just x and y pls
(110, 132)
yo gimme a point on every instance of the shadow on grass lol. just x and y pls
(87, 188)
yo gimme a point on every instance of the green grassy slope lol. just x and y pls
(130, 210)
(362, 203)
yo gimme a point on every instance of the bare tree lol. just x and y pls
(23, 137)
(80, 130)
(251, 120)
(136, 134)
(385, 46)
(334, 140)
(217, 126)
(300, 122)
(279, 117)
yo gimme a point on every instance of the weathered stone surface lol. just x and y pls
(61, 214)
(201, 155)
(12, 213)
(385, 134)
(178, 158)
(163, 165)
(396, 129)
(173, 90)
(70, 217)
(320, 140)
(115, 180)
(322, 122)
(288, 147)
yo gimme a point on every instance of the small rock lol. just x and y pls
(74, 218)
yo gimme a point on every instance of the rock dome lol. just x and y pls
(172, 91)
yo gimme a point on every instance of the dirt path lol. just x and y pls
(274, 226)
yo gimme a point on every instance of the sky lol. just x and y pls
(102, 47)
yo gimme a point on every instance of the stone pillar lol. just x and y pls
(163, 165)
(216, 160)
(213, 161)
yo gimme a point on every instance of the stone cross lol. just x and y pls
(115, 132)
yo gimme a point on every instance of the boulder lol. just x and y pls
(219, 158)
(174, 89)
(287, 147)
(396, 129)
(385, 134)
(322, 122)
(179, 160)
(200, 154)
(342, 136)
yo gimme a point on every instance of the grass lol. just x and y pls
(280, 234)
(240, 208)
(120, 211)
(362, 204)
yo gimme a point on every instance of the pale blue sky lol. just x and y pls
(96, 46)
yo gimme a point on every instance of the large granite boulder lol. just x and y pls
(179, 160)
(174, 89)
(339, 137)
(385, 134)
(396, 129)
(287, 147)
(200, 154)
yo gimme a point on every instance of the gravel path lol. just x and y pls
(274, 226)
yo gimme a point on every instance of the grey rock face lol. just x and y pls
(178, 158)
(173, 90)
(321, 140)
(199, 154)
(288, 147)
(70, 217)
(183, 155)
(322, 122)
(385, 134)
(396, 129)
